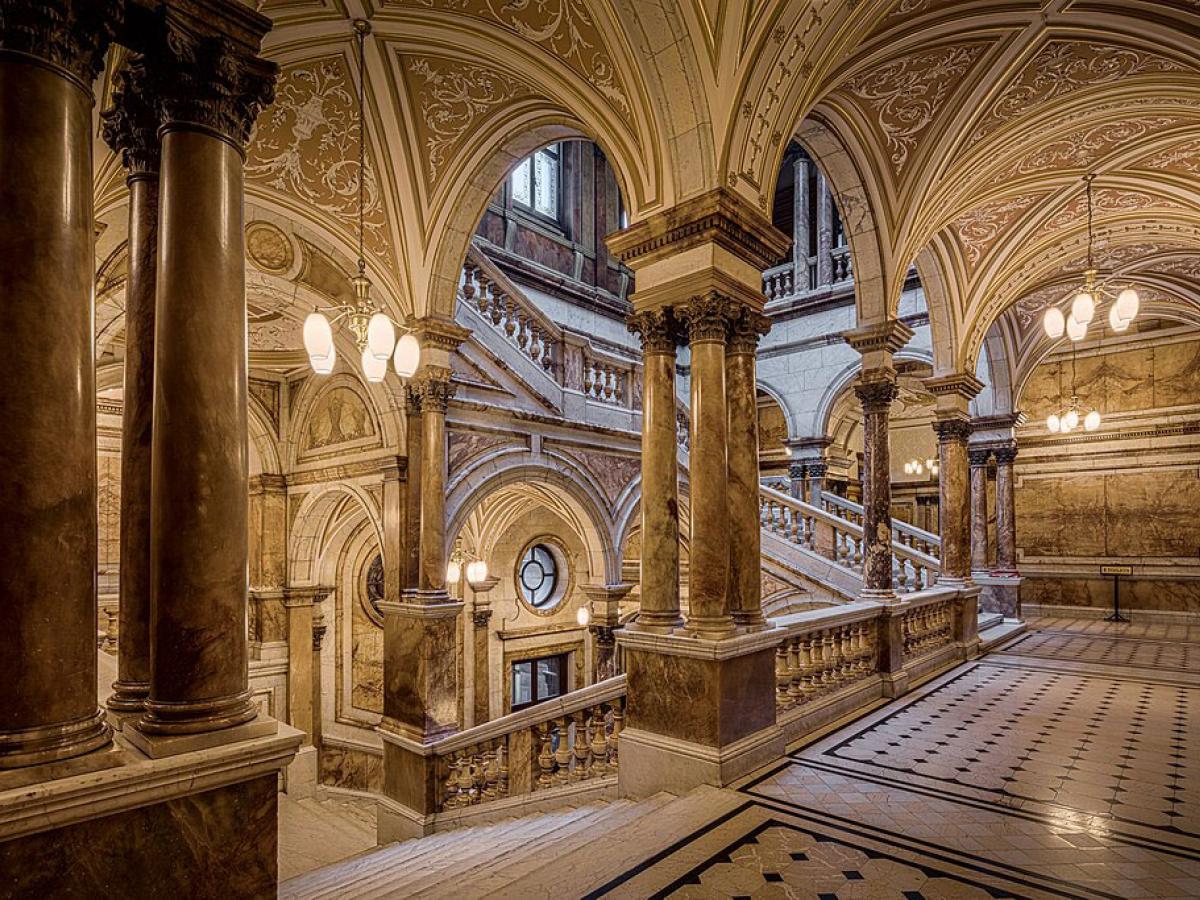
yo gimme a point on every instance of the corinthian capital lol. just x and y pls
(131, 123)
(657, 329)
(876, 394)
(71, 34)
(746, 329)
(952, 430)
(708, 317)
(435, 389)
(210, 79)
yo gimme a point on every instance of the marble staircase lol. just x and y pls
(575, 850)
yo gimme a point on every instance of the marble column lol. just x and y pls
(481, 620)
(131, 129)
(824, 233)
(954, 498)
(1006, 518)
(876, 391)
(436, 390)
(708, 318)
(660, 460)
(744, 533)
(801, 225)
(410, 569)
(816, 482)
(395, 526)
(798, 480)
(49, 56)
(979, 516)
(208, 102)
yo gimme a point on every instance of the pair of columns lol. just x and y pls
(1006, 522)
(181, 121)
(802, 227)
(724, 589)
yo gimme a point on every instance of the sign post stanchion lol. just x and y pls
(1116, 572)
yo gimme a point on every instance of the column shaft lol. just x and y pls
(48, 407)
(411, 563)
(876, 394)
(816, 482)
(801, 225)
(744, 534)
(979, 524)
(1006, 517)
(955, 498)
(660, 490)
(436, 391)
(824, 233)
(708, 589)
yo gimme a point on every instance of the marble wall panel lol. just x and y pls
(351, 768)
(108, 509)
(1153, 514)
(1136, 593)
(1061, 516)
(1177, 374)
(366, 662)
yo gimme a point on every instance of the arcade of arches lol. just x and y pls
(733, 377)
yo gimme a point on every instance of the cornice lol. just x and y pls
(889, 336)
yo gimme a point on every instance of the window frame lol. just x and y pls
(560, 661)
(530, 209)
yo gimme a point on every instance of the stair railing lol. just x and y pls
(909, 535)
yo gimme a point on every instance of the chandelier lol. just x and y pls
(476, 570)
(917, 467)
(1090, 294)
(373, 329)
(1068, 421)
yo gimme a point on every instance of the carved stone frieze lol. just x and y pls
(131, 124)
(71, 34)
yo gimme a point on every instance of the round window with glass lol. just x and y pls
(538, 577)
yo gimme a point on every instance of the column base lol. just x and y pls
(197, 716)
(651, 762)
(879, 595)
(160, 746)
(1000, 593)
(656, 623)
(129, 696)
(51, 743)
(715, 628)
(751, 621)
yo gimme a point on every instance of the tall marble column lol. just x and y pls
(801, 224)
(395, 526)
(50, 53)
(1006, 518)
(660, 484)
(209, 91)
(954, 498)
(708, 318)
(876, 391)
(410, 568)
(979, 517)
(744, 534)
(436, 390)
(131, 129)
(824, 233)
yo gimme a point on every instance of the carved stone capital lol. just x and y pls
(208, 79)
(131, 123)
(708, 317)
(657, 328)
(412, 399)
(817, 469)
(435, 388)
(978, 458)
(952, 430)
(798, 470)
(603, 635)
(1005, 456)
(318, 635)
(481, 617)
(876, 394)
(71, 35)
(746, 329)
(889, 337)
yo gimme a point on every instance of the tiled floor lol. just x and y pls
(1064, 765)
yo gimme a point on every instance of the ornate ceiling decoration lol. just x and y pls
(980, 229)
(1181, 159)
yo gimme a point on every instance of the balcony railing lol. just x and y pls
(902, 533)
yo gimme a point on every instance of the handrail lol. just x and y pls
(925, 541)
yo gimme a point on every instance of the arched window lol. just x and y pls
(375, 583)
(538, 576)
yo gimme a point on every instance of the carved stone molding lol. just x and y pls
(435, 388)
(746, 329)
(978, 458)
(708, 317)
(131, 123)
(952, 430)
(658, 329)
(889, 336)
(957, 385)
(876, 394)
(72, 35)
(439, 334)
(1005, 456)
(207, 78)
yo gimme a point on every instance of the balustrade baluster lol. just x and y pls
(783, 676)
(502, 766)
(810, 657)
(490, 772)
(468, 285)
(545, 756)
(562, 751)
(597, 741)
(609, 382)
(535, 343)
(583, 750)
(614, 738)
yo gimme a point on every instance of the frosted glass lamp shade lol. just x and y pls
(583, 616)
(323, 365)
(408, 356)
(381, 337)
(1091, 421)
(1083, 307)
(1054, 323)
(453, 572)
(1052, 423)
(477, 571)
(1076, 330)
(1127, 305)
(1115, 322)
(318, 336)
(373, 369)
(1071, 420)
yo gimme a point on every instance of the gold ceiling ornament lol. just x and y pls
(1124, 305)
(373, 329)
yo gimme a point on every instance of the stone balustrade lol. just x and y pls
(927, 628)
(902, 533)
(500, 302)
(811, 664)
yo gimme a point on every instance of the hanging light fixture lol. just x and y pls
(476, 571)
(1068, 420)
(1090, 294)
(373, 329)
(919, 467)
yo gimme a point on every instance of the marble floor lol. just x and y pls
(321, 830)
(1065, 764)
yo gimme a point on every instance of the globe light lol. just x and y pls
(477, 572)
(583, 616)
(318, 336)
(1076, 330)
(1127, 305)
(1115, 322)
(1071, 420)
(1083, 307)
(323, 365)
(908, 468)
(1091, 421)
(381, 337)
(408, 356)
(373, 368)
(1054, 323)
(453, 572)
(1052, 423)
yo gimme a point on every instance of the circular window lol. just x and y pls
(538, 577)
(375, 583)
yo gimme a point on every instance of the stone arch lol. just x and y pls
(312, 527)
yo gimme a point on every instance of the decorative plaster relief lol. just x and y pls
(339, 417)
(979, 229)
(1084, 147)
(612, 473)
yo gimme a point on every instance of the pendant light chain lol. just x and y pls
(362, 28)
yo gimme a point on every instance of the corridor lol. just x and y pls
(1062, 765)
